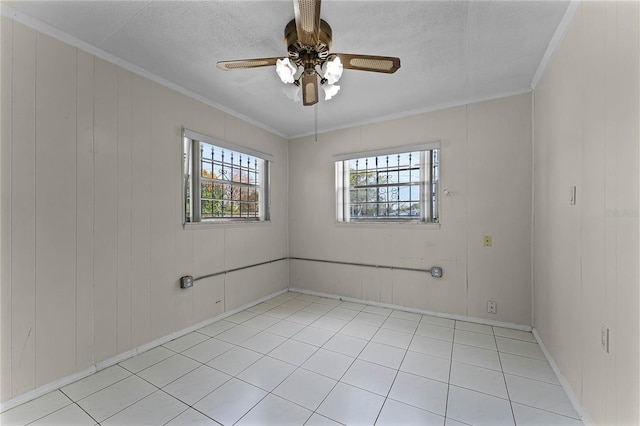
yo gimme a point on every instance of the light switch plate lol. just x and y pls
(604, 338)
(572, 195)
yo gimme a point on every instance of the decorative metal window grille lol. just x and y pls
(385, 186)
(223, 184)
(229, 184)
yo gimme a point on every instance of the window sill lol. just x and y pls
(225, 224)
(390, 224)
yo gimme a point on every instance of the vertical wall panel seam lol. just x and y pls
(616, 220)
(35, 208)
(466, 143)
(93, 206)
(607, 151)
(75, 271)
(533, 204)
(117, 143)
(466, 266)
(76, 257)
(150, 170)
(604, 196)
(93, 196)
(131, 230)
(579, 200)
(150, 138)
(10, 177)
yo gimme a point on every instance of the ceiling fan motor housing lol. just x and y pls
(300, 53)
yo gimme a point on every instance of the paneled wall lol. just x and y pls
(486, 164)
(92, 237)
(587, 107)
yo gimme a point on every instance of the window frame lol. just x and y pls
(429, 198)
(192, 175)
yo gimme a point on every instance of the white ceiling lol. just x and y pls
(451, 52)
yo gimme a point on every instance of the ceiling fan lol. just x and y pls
(308, 40)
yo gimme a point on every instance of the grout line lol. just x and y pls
(504, 378)
(442, 315)
(446, 404)
(180, 413)
(296, 368)
(85, 411)
(575, 402)
(393, 382)
(133, 403)
(95, 392)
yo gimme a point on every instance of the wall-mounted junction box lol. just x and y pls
(186, 281)
(436, 272)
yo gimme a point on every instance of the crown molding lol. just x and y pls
(417, 111)
(555, 41)
(40, 26)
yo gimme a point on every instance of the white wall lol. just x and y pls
(92, 236)
(486, 165)
(586, 255)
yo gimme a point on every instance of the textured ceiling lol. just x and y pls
(451, 52)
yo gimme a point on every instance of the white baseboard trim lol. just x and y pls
(101, 365)
(563, 381)
(416, 310)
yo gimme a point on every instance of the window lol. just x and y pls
(389, 185)
(223, 181)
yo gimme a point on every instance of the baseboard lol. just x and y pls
(416, 310)
(563, 381)
(64, 381)
(42, 390)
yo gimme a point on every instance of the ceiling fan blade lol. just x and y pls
(307, 16)
(246, 63)
(385, 64)
(309, 89)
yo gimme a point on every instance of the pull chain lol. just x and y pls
(315, 109)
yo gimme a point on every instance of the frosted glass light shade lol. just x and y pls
(330, 90)
(286, 70)
(293, 92)
(332, 70)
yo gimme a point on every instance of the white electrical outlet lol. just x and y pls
(492, 307)
(604, 338)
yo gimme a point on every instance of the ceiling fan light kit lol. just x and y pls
(308, 42)
(287, 71)
(330, 90)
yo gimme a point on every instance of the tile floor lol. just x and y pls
(299, 359)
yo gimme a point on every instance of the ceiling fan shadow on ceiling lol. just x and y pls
(308, 42)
